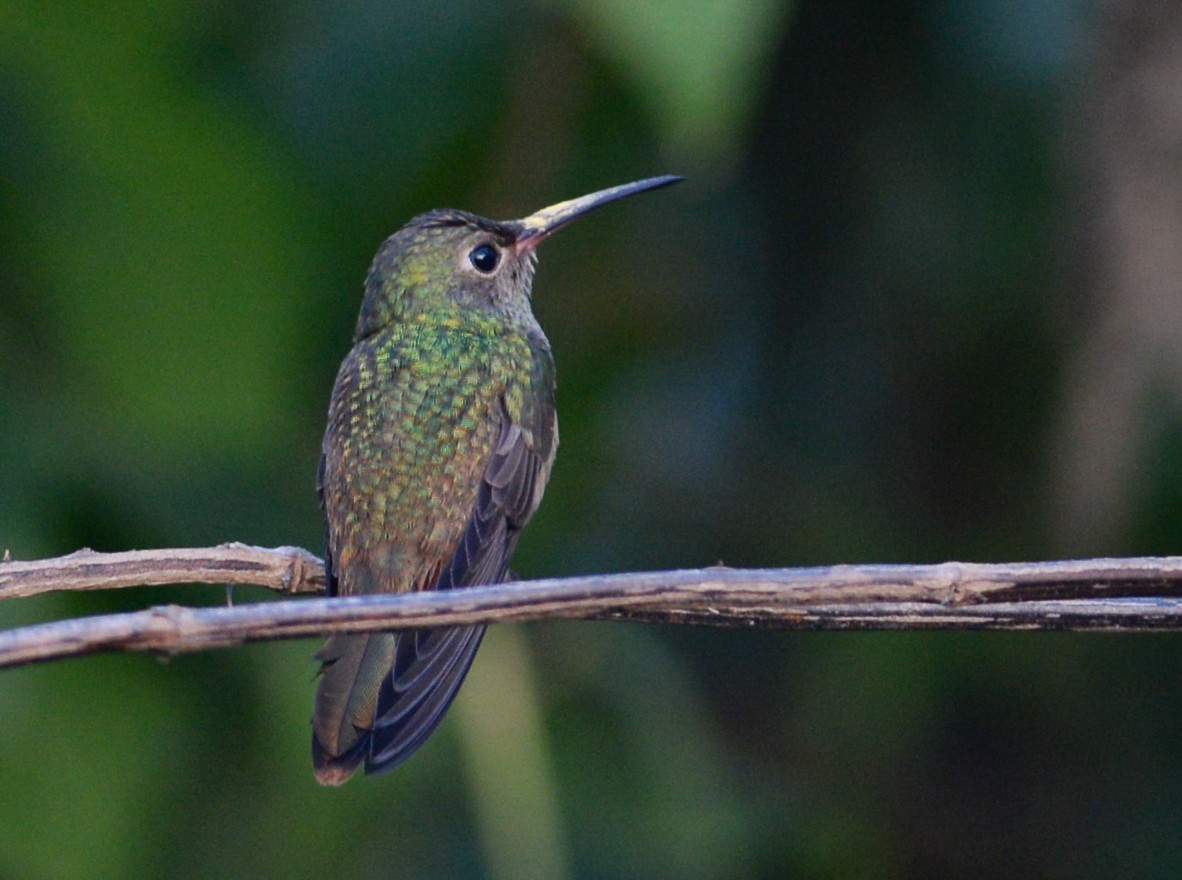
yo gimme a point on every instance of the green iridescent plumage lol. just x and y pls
(441, 435)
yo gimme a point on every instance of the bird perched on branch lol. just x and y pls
(441, 434)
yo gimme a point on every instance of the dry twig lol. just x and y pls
(1093, 594)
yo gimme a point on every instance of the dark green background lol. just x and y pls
(847, 338)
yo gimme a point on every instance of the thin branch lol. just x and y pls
(286, 569)
(1094, 594)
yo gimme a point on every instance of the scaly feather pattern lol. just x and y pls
(429, 474)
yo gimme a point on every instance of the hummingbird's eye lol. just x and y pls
(484, 258)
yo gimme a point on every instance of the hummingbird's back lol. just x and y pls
(427, 477)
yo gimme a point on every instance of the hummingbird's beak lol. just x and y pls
(540, 225)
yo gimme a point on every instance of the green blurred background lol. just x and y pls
(918, 301)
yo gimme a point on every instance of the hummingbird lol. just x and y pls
(441, 436)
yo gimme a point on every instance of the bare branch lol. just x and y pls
(286, 569)
(1095, 594)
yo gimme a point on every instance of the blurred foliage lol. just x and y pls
(843, 340)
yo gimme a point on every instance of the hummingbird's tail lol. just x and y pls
(352, 669)
(381, 696)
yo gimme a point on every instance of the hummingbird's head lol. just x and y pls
(446, 258)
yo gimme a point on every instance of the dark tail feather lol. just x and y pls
(346, 699)
(333, 769)
(380, 697)
(429, 667)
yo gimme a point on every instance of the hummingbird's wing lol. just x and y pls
(430, 665)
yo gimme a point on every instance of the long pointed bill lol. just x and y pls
(538, 226)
